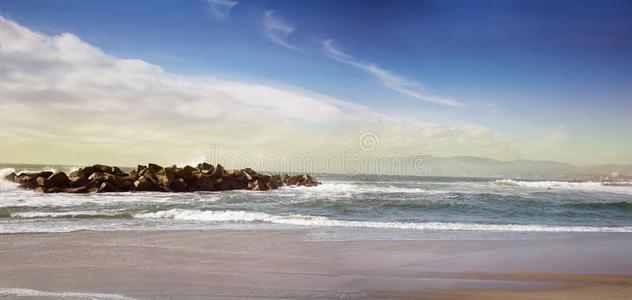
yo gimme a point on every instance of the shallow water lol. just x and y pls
(418, 204)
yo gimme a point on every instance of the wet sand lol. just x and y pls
(234, 264)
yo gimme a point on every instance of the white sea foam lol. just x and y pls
(334, 189)
(18, 197)
(305, 220)
(19, 292)
(68, 214)
(565, 185)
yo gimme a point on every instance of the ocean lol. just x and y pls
(375, 206)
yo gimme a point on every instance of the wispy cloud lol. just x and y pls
(278, 30)
(221, 8)
(393, 81)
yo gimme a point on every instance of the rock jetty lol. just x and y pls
(205, 177)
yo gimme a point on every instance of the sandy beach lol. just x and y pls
(234, 264)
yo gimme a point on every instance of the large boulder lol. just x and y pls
(82, 172)
(219, 172)
(26, 180)
(249, 173)
(145, 184)
(166, 176)
(42, 182)
(45, 174)
(101, 177)
(188, 173)
(107, 187)
(11, 177)
(205, 168)
(179, 185)
(125, 183)
(310, 181)
(116, 171)
(103, 168)
(59, 179)
(203, 183)
(75, 182)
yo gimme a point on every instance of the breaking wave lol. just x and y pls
(306, 220)
(565, 185)
(71, 214)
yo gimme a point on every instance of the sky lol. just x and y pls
(126, 82)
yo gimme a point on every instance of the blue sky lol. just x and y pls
(520, 68)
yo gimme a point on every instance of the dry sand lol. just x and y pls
(233, 264)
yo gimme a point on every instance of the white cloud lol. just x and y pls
(393, 81)
(278, 30)
(63, 100)
(221, 8)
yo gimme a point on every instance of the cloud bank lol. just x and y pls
(395, 82)
(63, 100)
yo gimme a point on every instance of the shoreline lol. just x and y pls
(231, 263)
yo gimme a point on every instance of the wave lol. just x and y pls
(565, 185)
(306, 220)
(19, 292)
(71, 214)
(346, 189)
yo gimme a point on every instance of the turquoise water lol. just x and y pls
(342, 201)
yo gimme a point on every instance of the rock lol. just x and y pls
(165, 176)
(103, 168)
(203, 183)
(206, 168)
(107, 187)
(125, 183)
(219, 172)
(133, 174)
(154, 168)
(284, 178)
(188, 173)
(150, 172)
(44, 174)
(249, 173)
(145, 184)
(11, 177)
(234, 173)
(87, 172)
(260, 185)
(59, 179)
(41, 182)
(116, 171)
(26, 180)
(179, 185)
(272, 183)
(100, 177)
(225, 184)
(310, 181)
(75, 182)
(292, 180)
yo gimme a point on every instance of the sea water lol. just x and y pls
(373, 205)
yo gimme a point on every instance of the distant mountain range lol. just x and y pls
(486, 167)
